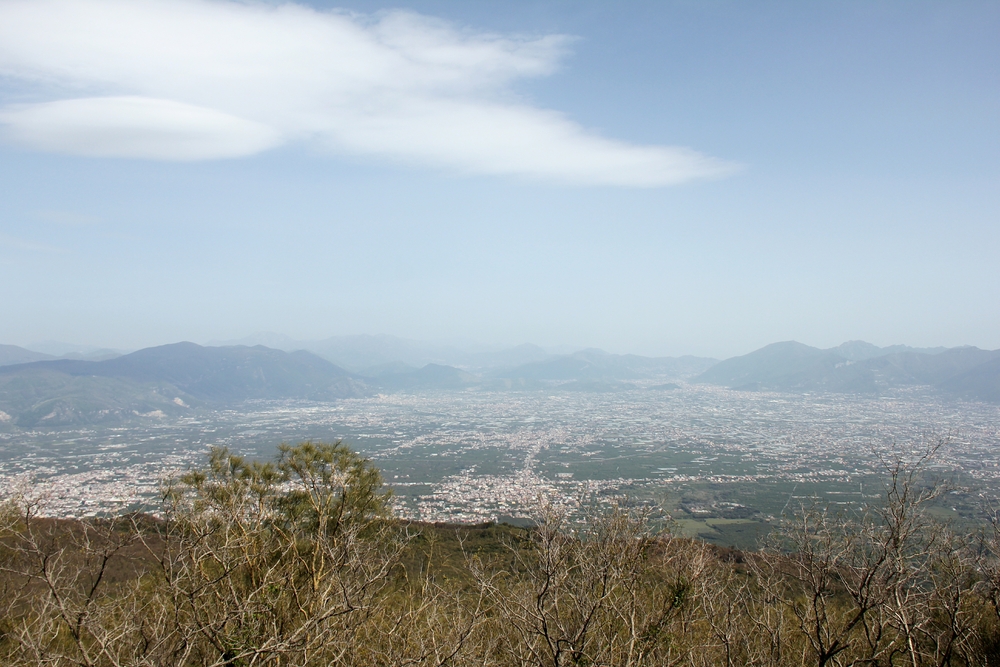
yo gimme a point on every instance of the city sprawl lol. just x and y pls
(720, 463)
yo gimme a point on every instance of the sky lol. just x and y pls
(659, 178)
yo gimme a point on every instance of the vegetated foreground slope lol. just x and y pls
(968, 372)
(298, 563)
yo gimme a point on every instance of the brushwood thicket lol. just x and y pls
(299, 562)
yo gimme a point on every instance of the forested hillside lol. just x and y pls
(165, 380)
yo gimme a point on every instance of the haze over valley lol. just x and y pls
(723, 447)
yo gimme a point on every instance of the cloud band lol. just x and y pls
(203, 79)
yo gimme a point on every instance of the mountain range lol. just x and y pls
(165, 379)
(170, 379)
(593, 364)
(12, 354)
(37, 390)
(854, 367)
(367, 354)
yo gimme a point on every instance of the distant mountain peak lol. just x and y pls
(856, 350)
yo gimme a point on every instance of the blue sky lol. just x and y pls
(648, 177)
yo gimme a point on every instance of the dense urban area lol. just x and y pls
(718, 462)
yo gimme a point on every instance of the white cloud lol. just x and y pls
(136, 127)
(200, 79)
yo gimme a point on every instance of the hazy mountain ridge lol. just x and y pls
(227, 374)
(431, 376)
(362, 352)
(167, 378)
(381, 356)
(12, 354)
(859, 350)
(596, 365)
(790, 366)
(171, 379)
(586, 370)
(43, 397)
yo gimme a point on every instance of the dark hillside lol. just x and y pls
(795, 367)
(788, 365)
(935, 369)
(981, 382)
(859, 350)
(218, 374)
(42, 397)
(165, 380)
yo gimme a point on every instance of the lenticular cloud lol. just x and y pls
(202, 80)
(138, 127)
